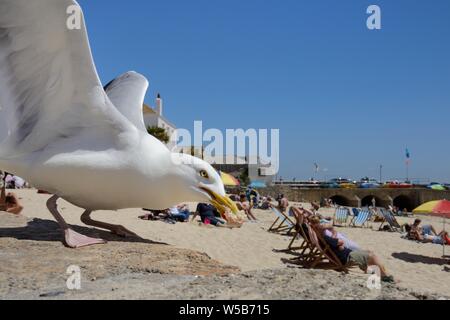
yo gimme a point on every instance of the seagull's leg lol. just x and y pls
(116, 229)
(73, 239)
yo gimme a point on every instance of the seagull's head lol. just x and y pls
(200, 182)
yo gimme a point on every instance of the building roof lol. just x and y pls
(148, 110)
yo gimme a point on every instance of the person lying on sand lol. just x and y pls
(2, 195)
(245, 206)
(154, 214)
(210, 216)
(179, 213)
(12, 204)
(426, 234)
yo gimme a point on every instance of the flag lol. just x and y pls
(408, 156)
(316, 166)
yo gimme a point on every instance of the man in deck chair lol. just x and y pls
(363, 259)
(283, 203)
(327, 229)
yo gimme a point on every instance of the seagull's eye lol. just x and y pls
(204, 174)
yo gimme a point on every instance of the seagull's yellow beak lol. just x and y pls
(222, 202)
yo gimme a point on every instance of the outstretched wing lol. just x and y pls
(127, 93)
(49, 87)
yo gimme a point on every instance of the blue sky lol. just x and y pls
(343, 96)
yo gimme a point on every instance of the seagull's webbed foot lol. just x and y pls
(72, 239)
(115, 229)
(75, 240)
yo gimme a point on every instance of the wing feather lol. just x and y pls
(127, 93)
(49, 86)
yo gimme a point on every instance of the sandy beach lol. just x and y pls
(188, 260)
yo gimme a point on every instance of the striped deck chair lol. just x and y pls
(282, 223)
(340, 216)
(362, 219)
(390, 219)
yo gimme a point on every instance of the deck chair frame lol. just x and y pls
(299, 235)
(338, 219)
(356, 221)
(282, 223)
(391, 220)
(306, 253)
(320, 254)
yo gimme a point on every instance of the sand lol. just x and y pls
(210, 262)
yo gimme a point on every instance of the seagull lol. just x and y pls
(67, 134)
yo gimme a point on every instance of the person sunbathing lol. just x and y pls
(283, 203)
(179, 213)
(315, 206)
(300, 212)
(12, 204)
(320, 225)
(346, 250)
(245, 206)
(2, 194)
(363, 259)
(265, 204)
(426, 234)
(327, 229)
(210, 216)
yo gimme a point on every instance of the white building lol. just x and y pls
(153, 117)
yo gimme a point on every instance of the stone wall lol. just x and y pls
(403, 198)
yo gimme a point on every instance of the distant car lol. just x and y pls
(367, 183)
(436, 186)
(342, 183)
(330, 185)
(348, 185)
(397, 185)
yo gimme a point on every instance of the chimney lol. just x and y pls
(159, 105)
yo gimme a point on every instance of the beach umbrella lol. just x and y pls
(258, 184)
(439, 208)
(228, 179)
(426, 208)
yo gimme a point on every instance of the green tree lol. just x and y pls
(159, 133)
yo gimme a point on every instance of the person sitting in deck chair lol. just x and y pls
(283, 203)
(327, 229)
(363, 259)
(265, 204)
(321, 225)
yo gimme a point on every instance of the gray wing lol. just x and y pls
(49, 87)
(127, 93)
